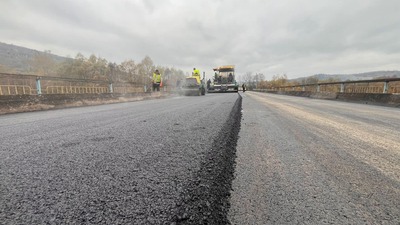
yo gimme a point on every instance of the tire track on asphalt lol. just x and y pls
(278, 180)
(384, 155)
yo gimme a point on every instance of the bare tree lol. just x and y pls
(131, 70)
(310, 80)
(248, 77)
(279, 80)
(146, 66)
(257, 79)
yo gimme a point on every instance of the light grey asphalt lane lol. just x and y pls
(308, 161)
(122, 163)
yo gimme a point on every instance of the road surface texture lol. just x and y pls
(308, 161)
(166, 161)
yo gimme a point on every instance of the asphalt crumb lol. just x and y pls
(205, 200)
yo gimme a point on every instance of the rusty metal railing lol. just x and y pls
(388, 85)
(28, 84)
(16, 90)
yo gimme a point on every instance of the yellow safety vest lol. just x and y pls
(196, 72)
(156, 78)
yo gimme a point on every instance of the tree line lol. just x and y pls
(98, 68)
(137, 73)
(258, 81)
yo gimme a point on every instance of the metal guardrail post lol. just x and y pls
(341, 87)
(386, 87)
(318, 87)
(145, 88)
(111, 88)
(38, 86)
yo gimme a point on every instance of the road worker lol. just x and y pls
(156, 80)
(208, 83)
(196, 73)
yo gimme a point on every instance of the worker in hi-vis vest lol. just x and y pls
(156, 80)
(196, 73)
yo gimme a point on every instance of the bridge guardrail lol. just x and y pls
(75, 90)
(16, 90)
(22, 84)
(385, 86)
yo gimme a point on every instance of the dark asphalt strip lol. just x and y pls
(206, 197)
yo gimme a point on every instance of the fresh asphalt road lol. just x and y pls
(127, 163)
(309, 161)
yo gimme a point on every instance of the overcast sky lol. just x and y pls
(293, 37)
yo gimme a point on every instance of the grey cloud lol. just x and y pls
(295, 37)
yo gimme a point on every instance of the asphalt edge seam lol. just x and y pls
(206, 198)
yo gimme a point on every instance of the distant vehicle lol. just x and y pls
(224, 80)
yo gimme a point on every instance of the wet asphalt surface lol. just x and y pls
(166, 161)
(309, 161)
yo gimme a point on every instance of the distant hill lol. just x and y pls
(358, 76)
(18, 58)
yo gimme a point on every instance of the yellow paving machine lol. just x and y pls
(192, 85)
(224, 80)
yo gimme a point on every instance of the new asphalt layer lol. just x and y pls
(166, 161)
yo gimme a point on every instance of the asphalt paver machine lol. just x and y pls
(224, 80)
